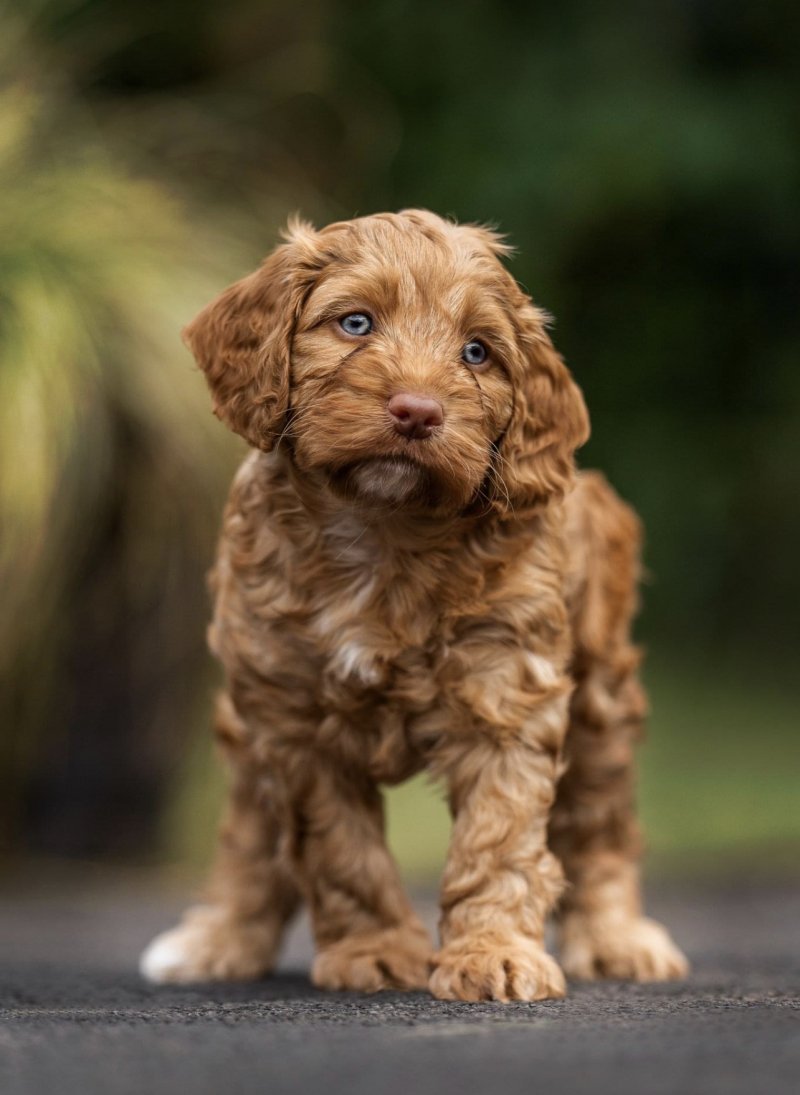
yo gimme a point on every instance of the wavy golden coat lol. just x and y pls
(453, 599)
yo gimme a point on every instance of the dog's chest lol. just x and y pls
(372, 633)
(380, 644)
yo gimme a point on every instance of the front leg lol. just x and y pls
(501, 881)
(368, 936)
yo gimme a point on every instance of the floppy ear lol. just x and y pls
(549, 421)
(242, 341)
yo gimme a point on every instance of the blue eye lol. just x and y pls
(357, 323)
(474, 353)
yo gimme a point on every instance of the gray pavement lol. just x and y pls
(75, 1018)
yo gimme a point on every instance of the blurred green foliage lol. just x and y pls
(111, 471)
(644, 159)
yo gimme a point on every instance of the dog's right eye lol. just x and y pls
(357, 323)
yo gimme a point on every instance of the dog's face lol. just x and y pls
(401, 365)
(400, 376)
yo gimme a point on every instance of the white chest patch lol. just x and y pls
(542, 670)
(348, 645)
(353, 659)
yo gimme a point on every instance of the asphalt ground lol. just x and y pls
(76, 1018)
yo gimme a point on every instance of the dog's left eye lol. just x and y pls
(474, 353)
(357, 323)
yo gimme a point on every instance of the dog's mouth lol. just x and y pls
(387, 481)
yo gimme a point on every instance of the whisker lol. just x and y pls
(345, 550)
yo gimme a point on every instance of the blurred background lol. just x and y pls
(645, 160)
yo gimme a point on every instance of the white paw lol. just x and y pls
(208, 945)
(167, 958)
(181, 954)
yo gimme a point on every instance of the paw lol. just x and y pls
(396, 958)
(209, 945)
(475, 970)
(626, 950)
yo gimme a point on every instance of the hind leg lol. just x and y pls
(595, 833)
(593, 827)
(253, 892)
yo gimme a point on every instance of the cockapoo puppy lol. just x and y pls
(411, 576)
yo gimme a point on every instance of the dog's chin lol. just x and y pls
(388, 482)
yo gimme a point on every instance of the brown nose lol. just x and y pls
(414, 416)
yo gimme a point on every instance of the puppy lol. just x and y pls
(412, 577)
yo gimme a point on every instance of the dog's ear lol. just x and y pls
(549, 421)
(242, 340)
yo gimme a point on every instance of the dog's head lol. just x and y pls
(400, 363)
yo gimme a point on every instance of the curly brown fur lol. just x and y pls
(458, 602)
